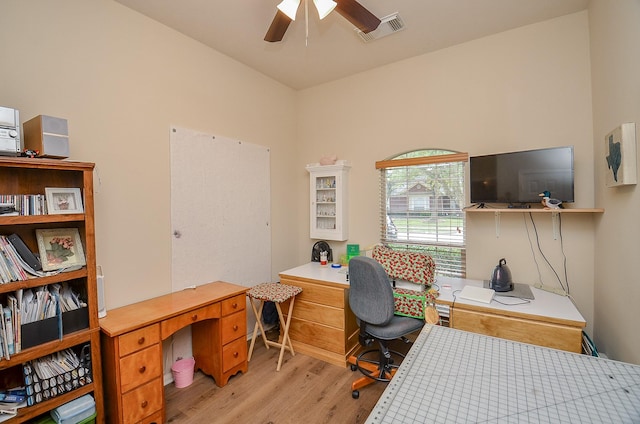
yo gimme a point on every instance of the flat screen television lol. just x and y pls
(519, 177)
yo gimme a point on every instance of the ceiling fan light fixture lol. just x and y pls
(289, 8)
(324, 7)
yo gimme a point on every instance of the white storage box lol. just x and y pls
(75, 411)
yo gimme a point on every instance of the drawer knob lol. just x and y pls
(142, 369)
(144, 404)
(235, 328)
(194, 317)
(141, 340)
(235, 305)
(235, 354)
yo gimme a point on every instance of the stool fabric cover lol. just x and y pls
(274, 292)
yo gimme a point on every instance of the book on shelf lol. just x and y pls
(13, 263)
(8, 328)
(7, 266)
(10, 401)
(24, 204)
(13, 267)
(14, 308)
(24, 252)
(26, 306)
(3, 329)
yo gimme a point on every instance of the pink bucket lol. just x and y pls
(182, 371)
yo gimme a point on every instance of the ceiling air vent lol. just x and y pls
(388, 25)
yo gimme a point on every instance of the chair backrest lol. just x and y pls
(370, 292)
(418, 268)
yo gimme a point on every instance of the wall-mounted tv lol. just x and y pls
(519, 177)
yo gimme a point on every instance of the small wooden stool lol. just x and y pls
(277, 293)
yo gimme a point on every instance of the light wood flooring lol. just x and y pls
(305, 390)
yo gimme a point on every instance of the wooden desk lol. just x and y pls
(132, 346)
(550, 320)
(322, 324)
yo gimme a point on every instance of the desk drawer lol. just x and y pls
(154, 419)
(233, 305)
(316, 293)
(234, 354)
(139, 339)
(233, 326)
(140, 367)
(520, 330)
(174, 324)
(143, 402)
(315, 312)
(317, 335)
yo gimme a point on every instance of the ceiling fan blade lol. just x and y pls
(358, 15)
(278, 27)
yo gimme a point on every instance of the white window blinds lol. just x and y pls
(421, 198)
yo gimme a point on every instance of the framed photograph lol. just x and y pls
(620, 154)
(60, 248)
(63, 200)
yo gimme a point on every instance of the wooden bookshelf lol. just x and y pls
(30, 176)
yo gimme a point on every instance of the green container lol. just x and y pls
(89, 420)
(48, 420)
(352, 250)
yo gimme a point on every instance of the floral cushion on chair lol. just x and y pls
(418, 268)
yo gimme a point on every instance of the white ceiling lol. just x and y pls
(332, 49)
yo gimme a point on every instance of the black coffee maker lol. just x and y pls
(501, 278)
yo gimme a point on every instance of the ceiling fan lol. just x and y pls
(351, 10)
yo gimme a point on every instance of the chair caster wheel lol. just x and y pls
(355, 394)
(353, 367)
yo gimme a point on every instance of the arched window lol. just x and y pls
(421, 206)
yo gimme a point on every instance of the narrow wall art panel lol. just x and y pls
(620, 154)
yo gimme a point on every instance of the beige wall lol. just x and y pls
(522, 89)
(121, 80)
(615, 62)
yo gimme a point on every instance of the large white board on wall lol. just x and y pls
(220, 219)
(220, 210)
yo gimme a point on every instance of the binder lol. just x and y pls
(24, 252)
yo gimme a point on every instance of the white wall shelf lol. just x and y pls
(533, 210)
(553, 212)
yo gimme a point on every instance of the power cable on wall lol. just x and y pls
(564, 285)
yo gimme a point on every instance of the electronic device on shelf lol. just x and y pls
(10, 140)
(519, 177)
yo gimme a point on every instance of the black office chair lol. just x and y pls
(371, 300)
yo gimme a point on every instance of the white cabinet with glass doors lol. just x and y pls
(329, 201)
